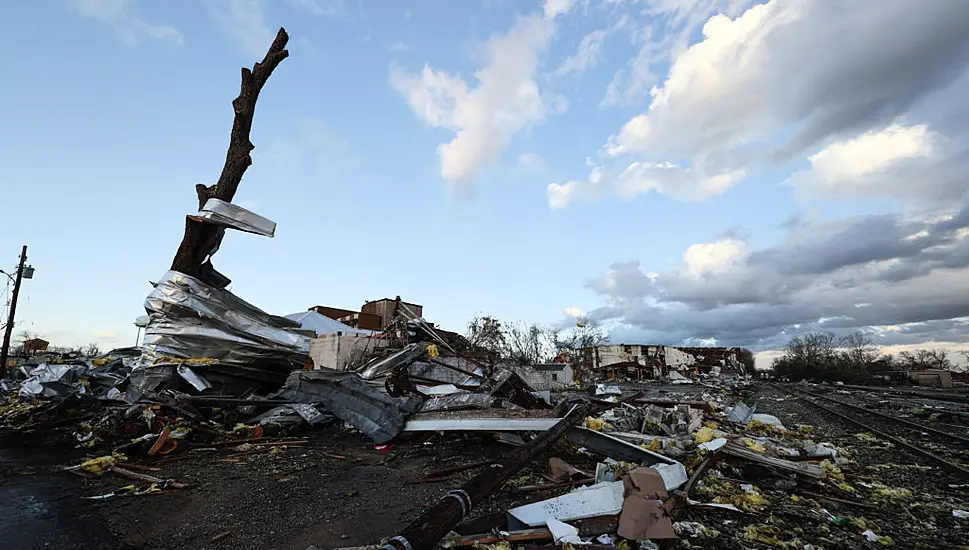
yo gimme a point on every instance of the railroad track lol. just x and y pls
(952, 397)
(945, 449)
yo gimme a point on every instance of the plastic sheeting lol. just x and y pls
(347, 396)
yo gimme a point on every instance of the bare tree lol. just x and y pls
(92, 350)
(486, 333)
(585, 334)
(861, 352)
(922, 359)
(938, 359)
(528, 344)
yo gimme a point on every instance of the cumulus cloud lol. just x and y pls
(855, 68)
(783, 79)
(118, 14)
(864, 272)
(484, 118)
(905, 162)
(668, 29)
(574, 312)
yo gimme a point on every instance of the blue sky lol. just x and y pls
(121, 106)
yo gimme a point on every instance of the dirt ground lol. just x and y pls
(338, 490)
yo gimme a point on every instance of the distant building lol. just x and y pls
(34, 345)
(546, 376)
(389, 309)
(642, 362)
(375, 315)
(931, 377)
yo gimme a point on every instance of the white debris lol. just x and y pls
(602, 499)
(713, 444)
(563, 532)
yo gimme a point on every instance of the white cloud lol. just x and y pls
(555, 8)
(877, 163)
(736, 87)
(399, 47)
(640, 178)
(588, 55)
(117, 14)
(244, 21)
(670, 26)
(873, 151)
(786, 77)
(484, 119)
(714, 257)
(574, 312)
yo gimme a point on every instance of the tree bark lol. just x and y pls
(202, 239)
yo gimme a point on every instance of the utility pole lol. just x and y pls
(13, 311)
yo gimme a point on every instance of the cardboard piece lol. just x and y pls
(647, 482)
(642, 514)
(560, 470)
(643, 518)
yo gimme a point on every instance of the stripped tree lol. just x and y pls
(203, 239)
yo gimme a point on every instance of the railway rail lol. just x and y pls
(945, 449)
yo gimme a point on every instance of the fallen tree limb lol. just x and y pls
(201, 239)
(425, 532)
(147, 478)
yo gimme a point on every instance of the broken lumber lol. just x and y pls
(540, 533)
(425, 532)
(146, 478)
(739, 451)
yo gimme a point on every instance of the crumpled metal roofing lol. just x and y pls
(191, 319)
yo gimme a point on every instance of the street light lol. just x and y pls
(140, 322)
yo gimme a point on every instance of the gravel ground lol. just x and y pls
(917, 516)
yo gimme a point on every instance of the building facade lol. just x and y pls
(643, 362)
(547, 376)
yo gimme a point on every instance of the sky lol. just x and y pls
(723, 172)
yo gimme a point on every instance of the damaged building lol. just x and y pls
(646, 361)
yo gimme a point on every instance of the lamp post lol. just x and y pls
(141, 322)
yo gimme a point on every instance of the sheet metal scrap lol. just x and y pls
(349, 397)
(190, 319)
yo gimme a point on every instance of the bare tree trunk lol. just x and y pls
(201, 239)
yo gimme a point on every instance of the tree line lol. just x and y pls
(823, 356)
(530, 343)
